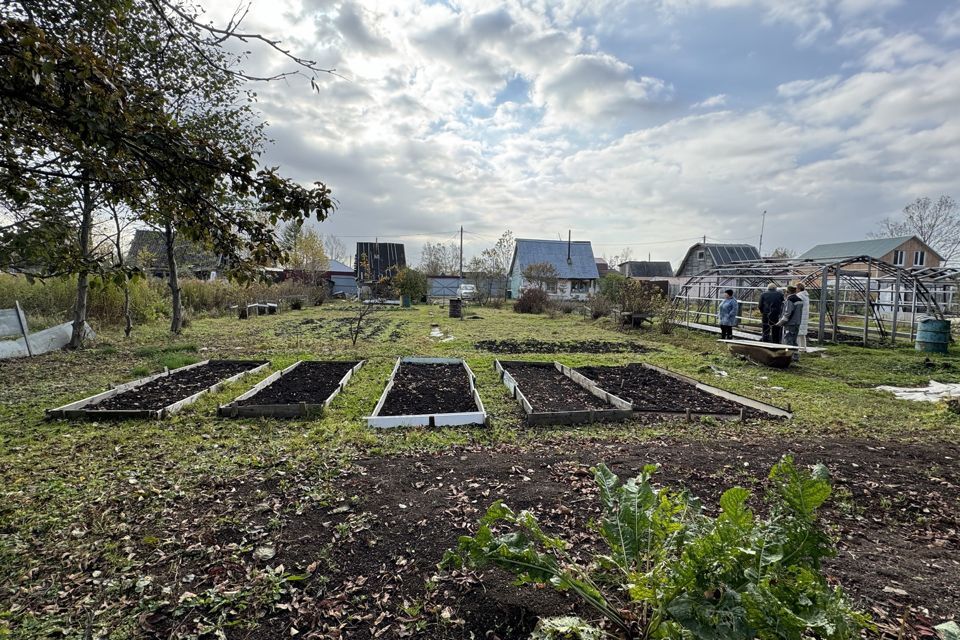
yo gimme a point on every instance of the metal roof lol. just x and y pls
(581, 265)
(874, 248)
(722, 254)
(646, 269)
(338, 267)
(385, 259)
(148, 250)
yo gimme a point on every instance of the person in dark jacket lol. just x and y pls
(791, 317)
(729, 309)
(771, 307)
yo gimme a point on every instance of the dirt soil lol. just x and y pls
(650, 390)
(895, 512)
(547, 389)
(562, 346)
(310, 382)
(164, 391)
(420, 389)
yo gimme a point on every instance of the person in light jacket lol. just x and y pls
(805, 318)
(791, 317)
(729, 310)
(771, 306)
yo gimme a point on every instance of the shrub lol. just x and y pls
(532, 300)
(599, 306)
(410, 282)
(567, 306)
(672, 571)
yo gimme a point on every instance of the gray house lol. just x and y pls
(704, 255)
(573, 260)
(148, 252)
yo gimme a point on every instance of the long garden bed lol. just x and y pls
(305, 388)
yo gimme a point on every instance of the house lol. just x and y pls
(375, 261)
(602, 267)
(704, 255)
(148, 252)
(909, 252)
(342, 279)
(646, 270)
(573, 260)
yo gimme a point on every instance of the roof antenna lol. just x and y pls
(569, 239)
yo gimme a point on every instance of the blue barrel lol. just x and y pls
(933, 336)
(404, 300)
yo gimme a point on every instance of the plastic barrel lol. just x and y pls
(933, 336)
(455, 307)
(404, 300)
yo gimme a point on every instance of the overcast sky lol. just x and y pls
(644, 124)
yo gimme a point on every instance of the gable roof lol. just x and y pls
(646, 269)
(148, 251)
(876, 248)
(335, 266)
(582, 265)
(722, 254)
(384, 259)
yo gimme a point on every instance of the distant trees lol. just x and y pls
(936, 222)
(438, 259)
(492, 265)
(304, 249)
(782, 253)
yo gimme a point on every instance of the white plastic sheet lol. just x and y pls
(933, 392)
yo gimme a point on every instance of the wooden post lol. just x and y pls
(896, 308)
(824, 283)
(22, 321)
(866, 306)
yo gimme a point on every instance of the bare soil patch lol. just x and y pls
(310, 382)
(561, 346)
(162, 392)
(547, 389)
(420, 388)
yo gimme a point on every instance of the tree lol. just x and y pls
(437, 259)
(541, 275)
(305, 250)
(491, 265)
(935, 222)
(783, 253)
(410, 282)
(335, 248)
(625, 255)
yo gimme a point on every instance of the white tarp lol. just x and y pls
(934, 392)
(42, 341)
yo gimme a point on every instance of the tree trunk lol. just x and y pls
(176, 314)
(83, 276)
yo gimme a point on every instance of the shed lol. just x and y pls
(573, 260)
(705, 255)
(646, 270)
(377, 260)
(342, 279)
(148, 252)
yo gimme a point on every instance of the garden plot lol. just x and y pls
(549, 394)
(305, 388)
(653, 390)
(429, 392)
(162, 394)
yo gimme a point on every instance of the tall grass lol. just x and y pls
(51, 301)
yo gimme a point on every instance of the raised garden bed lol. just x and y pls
(531, 345)
(432, 392)
(549, 394)
(653, 390)
(305, 388)
(159, 395)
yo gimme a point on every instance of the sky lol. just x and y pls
(644, 124)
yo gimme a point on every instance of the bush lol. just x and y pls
(532, 300)
(567, 306)
(599, 306)
(671, 571)
(410, 282)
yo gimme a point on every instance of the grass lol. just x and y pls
(81, 497)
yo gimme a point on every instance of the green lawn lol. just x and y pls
(77, 495)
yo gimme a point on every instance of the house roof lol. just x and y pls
(646, 269)
(581, 265)
(335, 266)
(148, 251)
(722, 254)
(876, 248)
(383, 259)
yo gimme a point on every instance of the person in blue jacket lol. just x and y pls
(729, 309)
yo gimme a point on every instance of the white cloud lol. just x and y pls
(949, 22)
(712, 102)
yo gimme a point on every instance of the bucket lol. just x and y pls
(933, 336)
(455, 307)
(405, 301)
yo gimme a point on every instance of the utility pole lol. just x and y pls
(461, 252)
(763, 222)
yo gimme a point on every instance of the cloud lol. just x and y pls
(949, 22)
(718, 100)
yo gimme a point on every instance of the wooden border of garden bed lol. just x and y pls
(621, 410)
(763, 407)
(292, 410)
(77, 410)
(433, 419)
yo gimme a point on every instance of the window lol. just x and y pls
(699, 255)
(898, 258)
(579, 286)
(552, 286)
(919, 258)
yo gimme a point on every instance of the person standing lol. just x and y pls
(729, 310)
(805, 317)
(771, 306)
(790, 318)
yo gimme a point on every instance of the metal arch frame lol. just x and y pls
(833, 284)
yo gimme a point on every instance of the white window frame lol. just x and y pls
(899, 257)
(919, 258)
(579, 286)
(700, 255)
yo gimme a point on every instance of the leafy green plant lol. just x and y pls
(671, 571)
